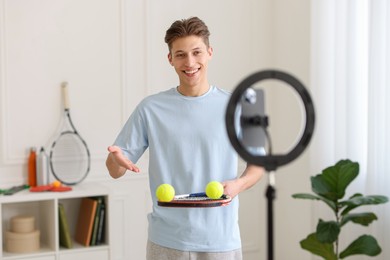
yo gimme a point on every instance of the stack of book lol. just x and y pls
(90, 223)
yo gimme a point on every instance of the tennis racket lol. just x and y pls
(69, 157)
(195, 200)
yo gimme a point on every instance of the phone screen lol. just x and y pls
(253, 135)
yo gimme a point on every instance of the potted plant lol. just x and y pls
(329, 187)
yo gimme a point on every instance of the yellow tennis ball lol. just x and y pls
(165, 192)
(214, 190)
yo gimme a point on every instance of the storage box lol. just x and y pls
(22, 237)
(22, 224)
(22, 242)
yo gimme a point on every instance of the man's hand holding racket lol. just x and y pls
(232, 187)
(250, 176)
(117, 163)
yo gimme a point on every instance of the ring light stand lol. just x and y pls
(270, 161)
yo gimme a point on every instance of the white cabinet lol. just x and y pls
(43, 206)
(96, 254)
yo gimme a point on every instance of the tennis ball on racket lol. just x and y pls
(165, 192)
(214, 190)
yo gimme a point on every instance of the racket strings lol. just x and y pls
(70, 158)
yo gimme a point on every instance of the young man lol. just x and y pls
(184, 130)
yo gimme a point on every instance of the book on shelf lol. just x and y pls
(65, 239)
(85, 221)
(94, 236)
(101, 227)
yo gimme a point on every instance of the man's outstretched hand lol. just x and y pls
(118, 158)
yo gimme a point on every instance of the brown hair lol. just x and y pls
(187, 27)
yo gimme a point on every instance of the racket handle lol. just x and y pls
(65, 97)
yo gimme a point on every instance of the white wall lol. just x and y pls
(112, 54)
(44, 43)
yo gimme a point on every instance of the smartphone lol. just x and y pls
(252, 109)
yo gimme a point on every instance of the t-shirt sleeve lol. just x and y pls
(133, 138)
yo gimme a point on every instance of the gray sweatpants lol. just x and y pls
(156, 252)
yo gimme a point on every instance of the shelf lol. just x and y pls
(43, 207)
(44, 251)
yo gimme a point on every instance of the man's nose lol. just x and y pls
(189, 60)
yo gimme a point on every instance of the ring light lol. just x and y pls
(270, 161)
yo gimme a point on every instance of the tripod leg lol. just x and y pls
(270, 194)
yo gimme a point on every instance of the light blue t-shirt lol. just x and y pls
(188, 147)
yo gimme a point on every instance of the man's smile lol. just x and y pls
(191, 72)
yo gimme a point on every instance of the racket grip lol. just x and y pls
(65, 97)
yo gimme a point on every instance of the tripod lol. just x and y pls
(270, 195)
(269, 161)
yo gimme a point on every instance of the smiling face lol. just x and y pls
(190, 56)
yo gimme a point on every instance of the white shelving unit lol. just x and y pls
(44, 207)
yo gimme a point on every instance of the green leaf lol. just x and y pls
(363, 219)
(311, 244)
(327, 231)
(319, 186)
(338, 177)
(305, 196)
(364, 245)
(330, 203)
(358, 200)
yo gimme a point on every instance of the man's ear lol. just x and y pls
(170, 58)
(210, 51)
